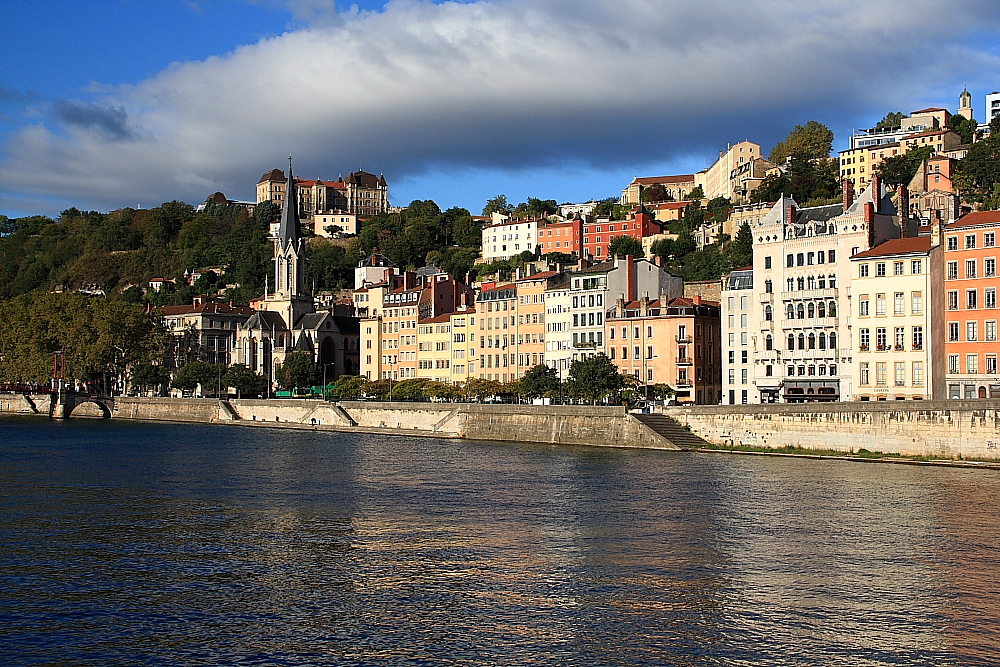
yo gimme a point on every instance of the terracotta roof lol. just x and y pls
(439, 318)
(928, 110)
(653, 180)
(898, 247)
(538, 276)
(273, 175)
(928, 133)
(498, 287)
(207, 309)
(976, 218)
(672, 205)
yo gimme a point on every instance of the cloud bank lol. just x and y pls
(508, 85)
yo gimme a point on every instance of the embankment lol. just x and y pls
(949, 429)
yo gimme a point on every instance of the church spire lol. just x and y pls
(288, 229)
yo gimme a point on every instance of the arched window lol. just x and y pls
(822, 282)
(812, 341)
(812, 310)
(791, 311)
(822, 308)
(833, 309)
(768, 314)
(802, 341)
(768, 342)
(801, 282)
(791, 341)
(833, 344)
(801, 309)
(790, 284)
(768, 286)
(833, 282)
(822, 341)
(812, 282)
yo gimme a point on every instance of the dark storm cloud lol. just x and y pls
(111, 121)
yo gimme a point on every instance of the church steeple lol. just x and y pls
(289, 248)
(288, 230)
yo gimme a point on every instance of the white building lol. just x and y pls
(509, 238)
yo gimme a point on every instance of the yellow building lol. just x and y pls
(530, 329)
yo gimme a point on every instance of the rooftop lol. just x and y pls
(898, 247)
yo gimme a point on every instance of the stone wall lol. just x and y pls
(294, 411)
(419, 416)
(167, 409)
(954, 429)
(25, 404)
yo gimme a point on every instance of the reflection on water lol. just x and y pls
(170, 544)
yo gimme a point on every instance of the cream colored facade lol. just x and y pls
(348, 223)
(898, 321)
(722, 179)
(510, 238)
(434, 350)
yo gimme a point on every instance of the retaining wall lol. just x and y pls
(168, 409)
(295, 411)
(25, 404)
(954, 429)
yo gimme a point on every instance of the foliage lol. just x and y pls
(697, 194)
(892, 121)
(610, 208)
(804, 180)
(559, 258)
(812, 140)
(539, 381)
(536, 208)
(621, 246)
(595, 378)
(482, 389)
(498, 204)
(265, 213)
(298, 370)
(349, 386)
(197, 373)
(331, 264)
(718, 209)
(964, 127)
(900, 169)
(408, 236)
(408, 390)
(979, 171)
(245, 381)
(741, 250)
(147, 376)
(657, 192)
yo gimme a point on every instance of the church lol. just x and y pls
(287, 319)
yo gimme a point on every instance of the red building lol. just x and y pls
(598, 233)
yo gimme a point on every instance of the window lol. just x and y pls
(832, 256)
(990, 267)
(897, 268)
(970, 241)
(800, 259)
(991, 363)
(900, 374)
(821, 257)
(864, 305)
(865, 374)
(918, 374)
(880, 339)
(971, 299)
(880, 304)
(972, 364)
(953, 300)
(916, 303)
(952, 332)
(865, 339)
(791, 342)
(832, 309)
(952, 270)
(970, 268)
(952, 243)
(971, 330)
(767, 262)
(743, 376)
(833, 280)
(899, 304)
(990, 297)
(768, 314)
(991, 330)
(952, 363)
(811, 258)
(916, 267)
(790, 260)
(864, 271)
(989, 239)
(880, 373)
(900, 335)
(880, 269)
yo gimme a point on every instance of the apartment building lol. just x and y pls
(558, 324)
(796, 345)
(510, 237)
(565, 237)
(731, 174)
(669, 341)
(898, 303)
(204, 331)
(599, 232)
(970, 286)
(497, 306)
(530, 330)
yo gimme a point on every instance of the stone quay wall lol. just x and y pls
(952, 429)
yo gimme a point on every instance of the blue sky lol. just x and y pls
(122, 102)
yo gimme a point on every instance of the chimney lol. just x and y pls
(848, 194)
(790, 215)
(903, 204)
(870, 223)
(696, 299)
(876, 187)
(630, 277)
(935, 228)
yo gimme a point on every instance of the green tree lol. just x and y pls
(657, 192)
(298, 371)
(812, 140)
(621, 246)
(964, 127)
(196, 373)
(498, 204)
(740, 251)
(482, 389)
(146, 376)
(349, 386)
(610, 208)
(244, 381)
(979, 171)
(539, 381)
(595, 378)
(265, 213)
(900, 169)
(697, 194)
(892, 121)
(536, 208)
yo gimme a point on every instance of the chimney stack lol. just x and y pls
(790, 215)
(630, 277)
(935, 228)
(903, 204)
(696, 299)
(876, 187)
(848, 194)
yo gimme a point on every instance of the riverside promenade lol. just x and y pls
(943, 429)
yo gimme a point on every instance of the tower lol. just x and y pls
(965, 104)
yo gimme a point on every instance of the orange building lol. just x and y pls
(676, 343)
(970, 284)
(597, 234)
(565, 237)
(530, 330)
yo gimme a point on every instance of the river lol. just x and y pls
(158, 544)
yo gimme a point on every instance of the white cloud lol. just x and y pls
(517, 84)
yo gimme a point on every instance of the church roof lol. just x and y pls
(266, 320)
(288, 228)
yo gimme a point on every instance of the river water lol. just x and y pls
(153, 544)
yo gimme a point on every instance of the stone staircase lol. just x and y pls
(671, 430)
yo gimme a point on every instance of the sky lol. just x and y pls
(114, 103)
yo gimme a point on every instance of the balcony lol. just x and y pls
(684, 361)
(766, 297)
(585, 345)
(684, 382)
(684, 339)
(799, 295)
(806, 323)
